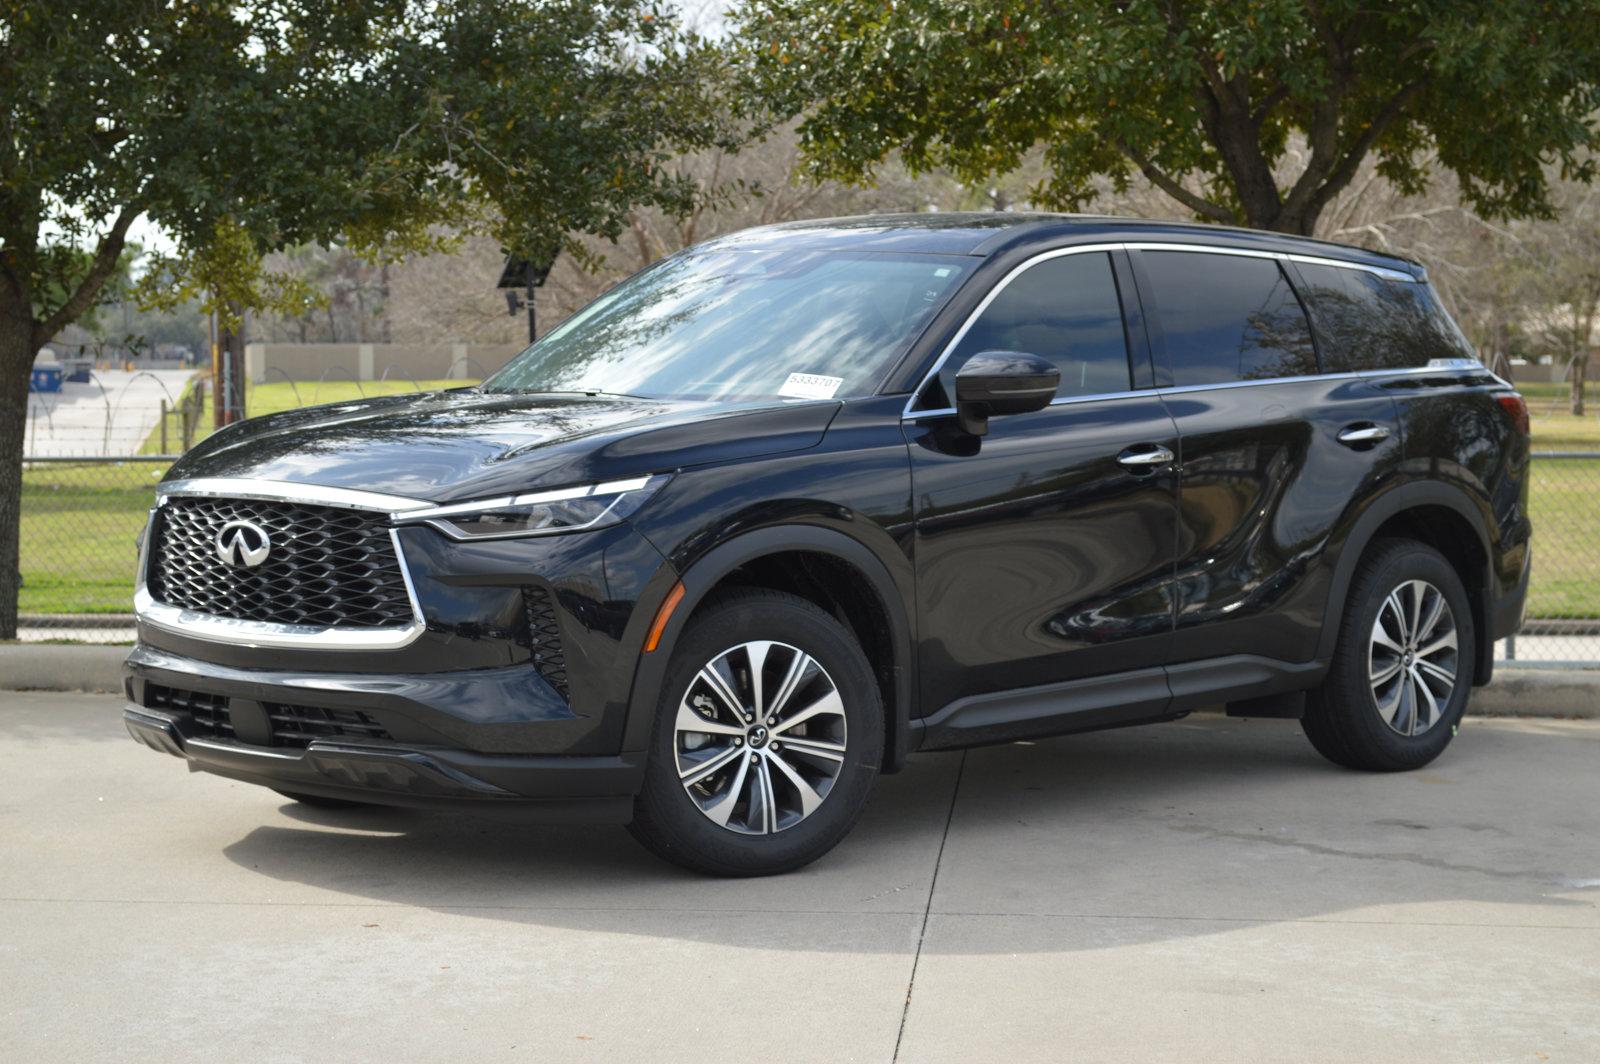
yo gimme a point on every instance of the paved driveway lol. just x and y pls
(112, 414)
(1207, 890)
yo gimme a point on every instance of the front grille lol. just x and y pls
(296, 726)
(329, 567)
(292, 726)
(544, 638)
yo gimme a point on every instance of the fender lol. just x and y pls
(1396, 501)
(702, 576)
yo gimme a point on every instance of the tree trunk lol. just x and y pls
(16, 362)
(1580, 369)
(229, 386)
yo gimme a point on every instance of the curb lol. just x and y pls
(43, 667)
(1539, 693)
(1513, 693)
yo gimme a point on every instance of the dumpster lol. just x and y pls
(45, 378)
(76, 370)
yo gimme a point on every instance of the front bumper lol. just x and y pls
(436, 741)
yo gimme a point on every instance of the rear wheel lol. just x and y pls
(1402, 670)
(768, 736)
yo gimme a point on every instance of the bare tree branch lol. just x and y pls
(1201, 206)
(101, 267)
(1341, 175)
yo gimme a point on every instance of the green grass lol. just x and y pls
(1554, 428)
(1564, 502)
(79, 525)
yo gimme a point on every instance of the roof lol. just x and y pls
(985, 233)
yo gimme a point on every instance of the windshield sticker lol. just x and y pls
(810, 386)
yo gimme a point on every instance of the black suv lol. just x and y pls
(782, 509)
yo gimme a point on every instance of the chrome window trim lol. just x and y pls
(908, 414)
(213, 629)
(1068, 400)
(1218, 385)
(983, 305)
(1282, 256)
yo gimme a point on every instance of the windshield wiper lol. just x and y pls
(571, 391)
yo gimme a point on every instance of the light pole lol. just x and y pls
(527, 273)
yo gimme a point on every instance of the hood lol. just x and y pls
(464, 444)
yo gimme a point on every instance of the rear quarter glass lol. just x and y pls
(1366, 322)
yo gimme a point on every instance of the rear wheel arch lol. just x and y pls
(829, 568)
(1441, 516)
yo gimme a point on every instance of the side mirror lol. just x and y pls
(992, 383)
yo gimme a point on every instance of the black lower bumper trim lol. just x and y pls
(559, 789)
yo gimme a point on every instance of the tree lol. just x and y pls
(1203, 99)
(245, 126)
(1561, 264)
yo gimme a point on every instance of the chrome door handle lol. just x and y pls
(1145, 459)
(1355, 435)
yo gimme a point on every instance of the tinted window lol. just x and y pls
(1367, 322)
(1065, 310)
(1228, 318)
(745, 324)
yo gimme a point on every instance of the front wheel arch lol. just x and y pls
(708, 573)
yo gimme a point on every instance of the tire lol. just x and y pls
(728, 819)
(1359, 717)
(319, 802)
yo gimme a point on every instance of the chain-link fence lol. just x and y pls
(80, 518)
(1563, 615)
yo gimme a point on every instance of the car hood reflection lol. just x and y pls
(463, 443)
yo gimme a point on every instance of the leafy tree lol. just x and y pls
(245, 126)
(1253, 112)
(1560, 266)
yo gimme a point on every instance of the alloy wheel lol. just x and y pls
(760, 737)
(1412, 657)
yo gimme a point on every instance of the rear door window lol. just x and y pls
(1367, 322)
(1227, 318)
(1064, 310)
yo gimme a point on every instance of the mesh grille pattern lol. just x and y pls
(292, 726)
(329, 566)
(296, 726)
(544, 638)
(209, 712)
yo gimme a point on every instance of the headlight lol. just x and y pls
(542, 513)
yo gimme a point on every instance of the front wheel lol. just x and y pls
(1402, 670)
(768, 736)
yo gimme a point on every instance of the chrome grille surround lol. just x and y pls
(354, 533)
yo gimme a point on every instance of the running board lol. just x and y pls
(1141, 696)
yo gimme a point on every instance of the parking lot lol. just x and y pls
(1207, 890)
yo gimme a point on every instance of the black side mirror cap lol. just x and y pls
(993, 383)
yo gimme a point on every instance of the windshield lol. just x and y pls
(743, 325)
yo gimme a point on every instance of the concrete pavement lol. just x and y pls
(112, 414)
(1207, 890)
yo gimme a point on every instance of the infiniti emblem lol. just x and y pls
(243, 544)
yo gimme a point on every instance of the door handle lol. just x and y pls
(1145, 456)
(1362, 433)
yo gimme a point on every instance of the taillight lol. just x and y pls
(1516, 409)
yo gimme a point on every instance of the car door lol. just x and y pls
(1044, 549)
(1272, 451)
